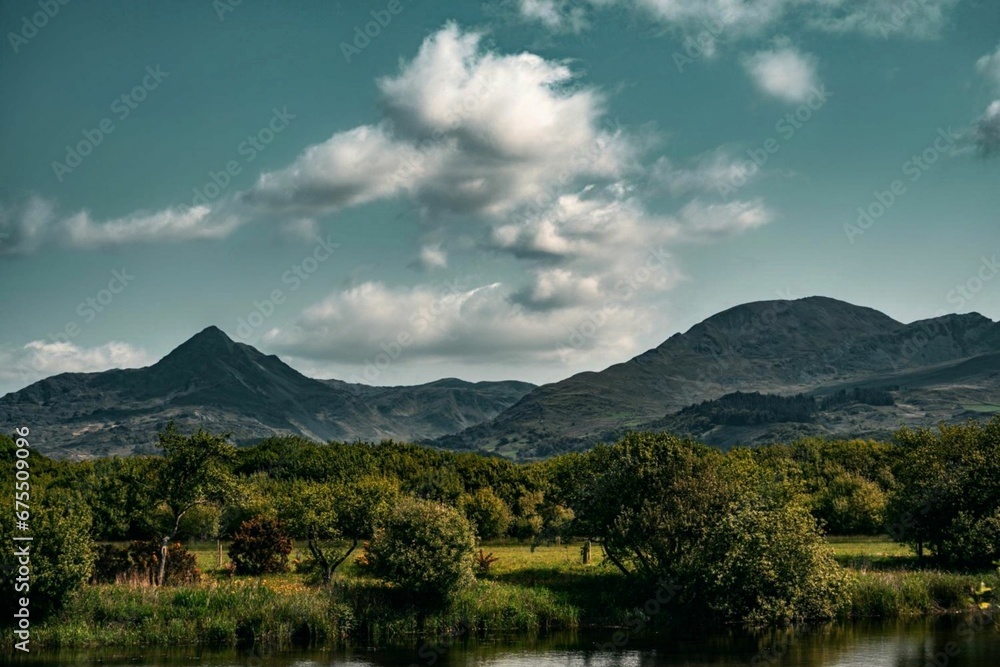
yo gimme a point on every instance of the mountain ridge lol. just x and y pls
(945, 368)
(779, 346)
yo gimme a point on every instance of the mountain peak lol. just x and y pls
(209, 344)
(820, 320)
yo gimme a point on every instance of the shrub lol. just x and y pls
(425, 548)
(145, 562)
(260, 546)
(763, 565)
(484, 561)
(62, 555)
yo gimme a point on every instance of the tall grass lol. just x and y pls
(237, 614)
(890, 595)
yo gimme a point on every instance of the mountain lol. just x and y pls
(213, 382)
(734, 378)
(945, 368)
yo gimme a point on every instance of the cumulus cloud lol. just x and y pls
(454, 321)
(784, 73)
(27, 226)
(989, 67)
(594, 255)
(21, 366)
(464, 130)
(986, 133)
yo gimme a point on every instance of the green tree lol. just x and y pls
(948, 495)
(122, 493)
(425, 548)
(487, 512)
(735, 537)
(333, 519)
(850, 504)
(196, 471)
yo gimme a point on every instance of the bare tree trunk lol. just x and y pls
(163, 560)
(165, 546)
(219, 542)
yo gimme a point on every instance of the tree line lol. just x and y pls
(740, 531)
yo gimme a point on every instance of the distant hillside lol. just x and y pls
(816, 345)
(213, 382)
(760, 372)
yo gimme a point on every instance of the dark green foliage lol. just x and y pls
(112, 562)
(948, 498)
(735, 539)
(123, 494)
(61, 554)
(846, 483)
(426, 549)
(488, 514)
(260, 546)
(749, 408)
(865, 395)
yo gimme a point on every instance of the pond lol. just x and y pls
(951, 642)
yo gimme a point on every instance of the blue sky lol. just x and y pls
(521, 189)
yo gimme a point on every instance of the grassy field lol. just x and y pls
(526, 591)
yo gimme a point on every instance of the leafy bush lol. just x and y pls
(61, 553)
(425, 548)
(761, 565)
(723, 528)
(144, 563)
(260, 546)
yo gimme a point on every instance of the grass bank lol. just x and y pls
(527, 591)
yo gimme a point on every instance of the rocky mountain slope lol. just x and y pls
(213, 382)
(945, 367)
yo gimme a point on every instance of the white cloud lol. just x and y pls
(989, 67)
(698, 221)
(784, 73)
(432, 256)
(740, 19)
(426, 324)
(172, 224)
(715, 172)
(986, 133)
(29, 225)
(557, 15)
(25, 227)
(21, 366)
(465, 130)
(916, 19)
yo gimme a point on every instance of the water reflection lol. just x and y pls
(952, 642)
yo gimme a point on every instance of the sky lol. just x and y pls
(395, 191)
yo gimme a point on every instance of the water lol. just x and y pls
(940, 643)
